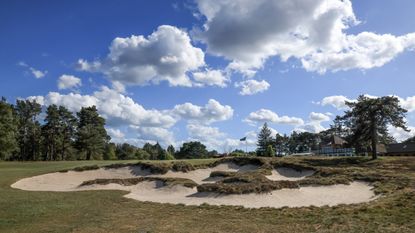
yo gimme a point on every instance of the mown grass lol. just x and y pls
(108, 211)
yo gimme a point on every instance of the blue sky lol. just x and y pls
(204, 70)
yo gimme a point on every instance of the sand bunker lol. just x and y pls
(69, 181)
(285, 173)
(156, 191)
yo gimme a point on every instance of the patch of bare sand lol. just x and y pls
(356, 192)
(285, 173)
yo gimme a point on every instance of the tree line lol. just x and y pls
(57, 134)
(28, 134)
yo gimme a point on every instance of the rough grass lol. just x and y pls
(167, 181)
(154, 167)
(108, 211)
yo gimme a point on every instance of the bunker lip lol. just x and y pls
(287, 173)
(179, 187)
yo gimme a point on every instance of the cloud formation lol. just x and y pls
(339, 101)
(314, 124)
(35, 72)
(66, 81)
(167, 55)
(252, 87)
(266, 115)
(210, 78)
(213, 111)
(248, 33)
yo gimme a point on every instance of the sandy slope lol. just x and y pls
(356, 192)
(284, 173)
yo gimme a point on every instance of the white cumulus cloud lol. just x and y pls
(252, 87)
(165, 55)
(213, 111)
(66, 81)
(266, 115)
(210, 78)
(248, 33)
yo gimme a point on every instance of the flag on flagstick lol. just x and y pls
(242, 139)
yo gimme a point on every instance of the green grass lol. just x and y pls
(108, 211)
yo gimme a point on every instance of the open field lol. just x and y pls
(109, 211)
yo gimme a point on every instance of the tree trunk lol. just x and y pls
(374, 137)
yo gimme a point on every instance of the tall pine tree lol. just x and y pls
(368, 119)
(29, 130)
(8, 130)
(91, 136)
(51, 133)
(264, 140)
(68, 124)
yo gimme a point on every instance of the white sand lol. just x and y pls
(69, 181)
(154, 191)
(356, 192)
(284, 173)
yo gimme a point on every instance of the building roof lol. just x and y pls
(336, 140)
(401, 147)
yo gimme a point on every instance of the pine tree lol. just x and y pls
(270, 151)
(91, 136)
(264, 140)
(68, 124)
(29, 130)
(109, 153)
(192, 150)
(368, 119)
(8, 130)
(51, 132)
(171, 149)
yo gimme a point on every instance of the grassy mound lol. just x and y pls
(154, 168)
(252, 182)
(133, 181)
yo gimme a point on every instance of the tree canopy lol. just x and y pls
(91, 137)
(8, 130)
(192, 150)
(368, 119)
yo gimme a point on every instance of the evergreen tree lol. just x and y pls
(51, 132)
(8, 130)
(192, 150)
(29, 130)
(109, 153)
(281, 144)
(91, 136)
(160, 153)
(171, 149)
(142, 154)
(126, 151)
(68, 124)
(270, 151)
(151, 151)
(169, 156)
(264, 140)
(368, 119)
